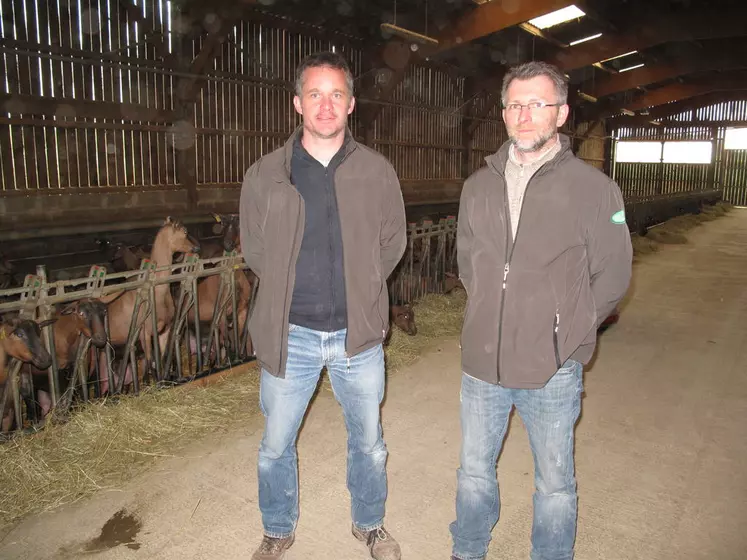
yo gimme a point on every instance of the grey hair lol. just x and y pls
(533, 69)
(326, 59)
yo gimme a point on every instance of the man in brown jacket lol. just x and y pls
(322, 226)
(544, 254)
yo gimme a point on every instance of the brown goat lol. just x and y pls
(19, 339)
(207, 296)
(171, 238)
(83, 317)
(228, 225)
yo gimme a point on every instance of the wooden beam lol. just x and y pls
(396, 56)
(189, 88)
(492, 17)
(692, 62)
(664, 111)
(493, 91)
(61, 107)
(708, 24)
(471, 91)
(675, 92)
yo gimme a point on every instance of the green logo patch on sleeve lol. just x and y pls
(618, 217)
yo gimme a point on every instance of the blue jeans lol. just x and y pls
(358, 385)
(549, 414)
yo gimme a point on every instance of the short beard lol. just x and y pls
(536, 146)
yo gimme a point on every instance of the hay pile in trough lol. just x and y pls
(672, 232)
(643, 245)
(102, 445)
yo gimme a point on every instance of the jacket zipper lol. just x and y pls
(509, 254)
(328, 189)
(342, 242)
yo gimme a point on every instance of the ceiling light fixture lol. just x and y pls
(557, 17)
(589, 38)
(618, 56)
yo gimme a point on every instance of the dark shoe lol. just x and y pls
(272, 548)
(380, 543)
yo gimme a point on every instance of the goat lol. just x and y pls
(228, 225)
(171, 238)
(207, 296)
(82, 318)
(19, 339)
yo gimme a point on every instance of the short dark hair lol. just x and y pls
(325, 59)
(533, 69)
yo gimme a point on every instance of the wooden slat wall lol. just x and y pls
(488, 137)
(69, 53)
(420, 132)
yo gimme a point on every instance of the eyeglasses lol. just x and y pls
(533, 106)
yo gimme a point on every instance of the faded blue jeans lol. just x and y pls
(358, 385)
(549, 414)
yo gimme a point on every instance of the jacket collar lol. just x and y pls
(497, 161)
(283, 172)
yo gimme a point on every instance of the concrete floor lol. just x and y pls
(661, 447)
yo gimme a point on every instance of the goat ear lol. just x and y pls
(46, 323)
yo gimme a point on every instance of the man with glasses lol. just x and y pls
(545, 256)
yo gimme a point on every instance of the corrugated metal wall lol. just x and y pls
(726, 172)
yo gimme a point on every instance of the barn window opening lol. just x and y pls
(687, 152)
(735, 139)
(638, 152)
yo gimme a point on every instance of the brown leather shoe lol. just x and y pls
(380, 543)
(272, 548)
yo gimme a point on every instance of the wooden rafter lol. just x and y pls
(678, 107)
(658, 29)
(693, 61)
(676, 92)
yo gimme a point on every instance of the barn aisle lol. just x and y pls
(661, 447)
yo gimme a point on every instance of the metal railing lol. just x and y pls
(219, 343)
(429, 260)
(192, 348)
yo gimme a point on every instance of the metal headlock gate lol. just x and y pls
(428, 262)
(221, 342)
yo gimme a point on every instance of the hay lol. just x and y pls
(715, 211)
(105, 444)
(661, 235)
(681, 224)
(672, 231)
(437, 316)
(643, 245)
